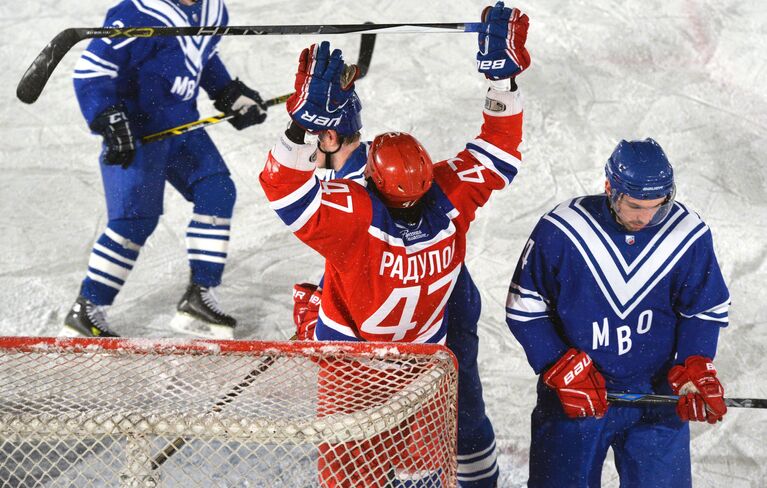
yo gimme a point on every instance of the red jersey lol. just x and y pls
(388, 279)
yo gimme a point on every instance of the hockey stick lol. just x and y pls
(648, 398)
(367, 43)
(174, 446)
(37, 75)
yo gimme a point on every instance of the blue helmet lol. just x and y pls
(640, 169)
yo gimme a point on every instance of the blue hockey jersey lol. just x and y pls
(354, 167)
(157, 78)
(635, 302)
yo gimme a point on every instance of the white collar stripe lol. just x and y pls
(411, 248)
(626, 269)
(624, 292)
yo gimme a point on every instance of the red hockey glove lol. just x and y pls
(306, 307)
(701, 396)
(580, 387)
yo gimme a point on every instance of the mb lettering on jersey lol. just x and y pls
(602, 333)
(415, 268)
(184, 87)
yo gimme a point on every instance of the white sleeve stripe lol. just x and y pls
(87, 55)
(83, 76)
(497, 152)
(524, 318)
(307, 214)
(722, 308)
(712, 319)
(488, 163)
(85, 68)
(527, 305)
(525, 291)
(124, 43)
(296, 195)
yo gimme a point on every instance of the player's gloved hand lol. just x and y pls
(701, 396)
(580, 387)
(306, 307)
(502, 53)
(243, 102)
(119, 143)
(324, 86)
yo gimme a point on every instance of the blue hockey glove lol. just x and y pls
(325, 97)
(502, 53)
(119, 144)
(243, 102)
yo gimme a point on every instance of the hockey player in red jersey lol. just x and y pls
(395, 248)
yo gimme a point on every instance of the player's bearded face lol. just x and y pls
(635, 214)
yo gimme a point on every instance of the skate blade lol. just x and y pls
(188, 324)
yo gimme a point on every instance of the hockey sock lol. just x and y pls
(207, 237)
(207, 242)
(113, 256)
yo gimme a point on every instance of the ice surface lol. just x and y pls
(688, 73)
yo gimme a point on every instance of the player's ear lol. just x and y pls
(329, 139)
(607, 187)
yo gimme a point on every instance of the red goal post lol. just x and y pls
(167, 412)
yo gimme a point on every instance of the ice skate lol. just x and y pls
(86, 319)
(199, 313)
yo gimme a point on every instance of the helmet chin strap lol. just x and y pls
(328, 153)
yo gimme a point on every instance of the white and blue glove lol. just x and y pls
(325, 98)
(502, 53)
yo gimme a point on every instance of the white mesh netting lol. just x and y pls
(121, 412)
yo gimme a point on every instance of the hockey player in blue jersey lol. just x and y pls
(620, 292)
(132, 87)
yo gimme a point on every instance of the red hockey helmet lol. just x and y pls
(400, 168)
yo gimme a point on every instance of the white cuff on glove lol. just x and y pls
(500, 103)
(297, 156)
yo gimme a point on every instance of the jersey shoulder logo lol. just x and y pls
(624, 284)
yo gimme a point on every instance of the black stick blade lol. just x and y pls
(34, 80)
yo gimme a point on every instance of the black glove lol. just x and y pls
(244, 103)
(119, 143)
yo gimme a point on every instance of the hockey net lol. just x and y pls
(144, 413)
